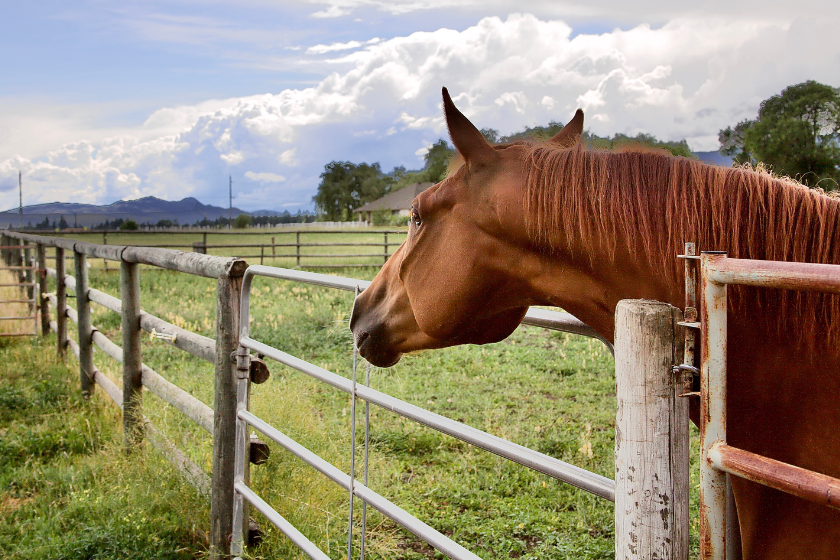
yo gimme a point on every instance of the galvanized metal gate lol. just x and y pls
(591, 482)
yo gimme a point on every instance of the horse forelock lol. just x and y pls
(598, 203)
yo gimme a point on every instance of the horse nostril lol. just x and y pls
(361, 337)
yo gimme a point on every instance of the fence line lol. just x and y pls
(227, 486)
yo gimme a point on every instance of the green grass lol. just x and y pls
(551, 391)
(276, 257)
(67, 491)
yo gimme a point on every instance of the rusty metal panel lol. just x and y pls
(776, 274)
(712, 410)
(808, 485)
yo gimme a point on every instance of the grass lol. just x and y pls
(67, 490)
(550, 391)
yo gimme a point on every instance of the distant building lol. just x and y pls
(398, 202)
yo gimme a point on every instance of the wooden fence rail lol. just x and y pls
(219, 421)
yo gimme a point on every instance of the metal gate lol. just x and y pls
(581, 478)
(18, 261)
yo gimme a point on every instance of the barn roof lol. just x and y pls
(398, 200)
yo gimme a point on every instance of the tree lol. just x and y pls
(242, 221)
(437, 162)
(797, 133)
(62, 223)
(346, 186)
(129, 225)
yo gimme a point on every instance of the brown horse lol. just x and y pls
(557, 224)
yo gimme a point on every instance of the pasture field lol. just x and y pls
(276, 257)
(551, 391)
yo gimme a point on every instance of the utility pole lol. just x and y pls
(20, 191)
(230, 202)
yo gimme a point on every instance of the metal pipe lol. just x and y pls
(393, 511)
(776, 274)
(576, 476)
(808, 485)
(280, 522)
(712, 410)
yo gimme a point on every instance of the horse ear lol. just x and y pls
(568, 137)
(469, 142)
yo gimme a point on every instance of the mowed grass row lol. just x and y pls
(550, 391)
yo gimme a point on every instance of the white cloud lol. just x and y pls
(685, 79)
(265, 177)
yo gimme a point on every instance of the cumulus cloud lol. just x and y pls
(265, 177)
(685, 79)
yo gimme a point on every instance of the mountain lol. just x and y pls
(714, 158)
(142, 210)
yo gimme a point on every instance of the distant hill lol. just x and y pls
(714, 157)
(142, 210)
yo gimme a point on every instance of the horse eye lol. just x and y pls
(415, 217)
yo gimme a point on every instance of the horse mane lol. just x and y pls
(602, 201)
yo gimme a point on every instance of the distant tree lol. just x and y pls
(797, 133)
(437, 162)
(346, 186)
(242, 221)
(165, 223)
(129, 225)
(62, 223)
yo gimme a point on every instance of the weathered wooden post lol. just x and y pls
(132, 361)
(273, 254)
(4, 252)
(84, 326)
(43, 305)
(228, 289)
(385, 254)
(105, 242)
(651, 434)
(60, 302)
(297, 248)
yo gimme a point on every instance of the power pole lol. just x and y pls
(230, 202)
(20, 191)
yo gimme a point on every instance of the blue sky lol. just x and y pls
(102, 101)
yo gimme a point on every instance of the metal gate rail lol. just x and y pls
(581, 478)
(718, 458)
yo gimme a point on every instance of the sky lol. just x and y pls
(104, 101)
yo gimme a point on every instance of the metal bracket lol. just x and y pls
(162, 336)
(243, 362)
(685, 367)
(259, 451)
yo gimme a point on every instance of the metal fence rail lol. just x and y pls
(581, 478)
(719, 458)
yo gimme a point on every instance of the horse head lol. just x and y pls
(462, 274)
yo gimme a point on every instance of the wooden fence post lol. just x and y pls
(651, 434)
(224, 415)
(273, 254)
(132, 360)
(61, 303)
(84, 326)
(297, 235)
(43, 304)
(4, 253)
(385, 255)
(105, 242)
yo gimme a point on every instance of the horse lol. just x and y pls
(559, 224)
